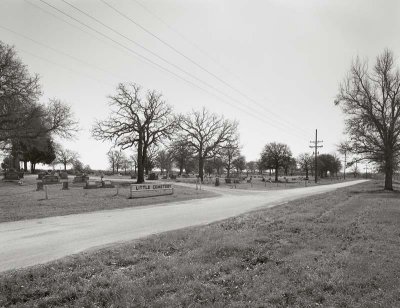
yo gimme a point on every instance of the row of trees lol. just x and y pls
(275, 157)
(198, 141)
(145, 123)
(28, 126)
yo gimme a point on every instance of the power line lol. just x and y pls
(67, 22)
(151, 61)
(64, 67)
(186, 57)
(59, 51)
(159, 57)
(159, 66)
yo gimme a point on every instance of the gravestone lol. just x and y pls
(39, 186)
(107, 184)
(81, 178)
(50, 179)
(65, 185)
(64, 176)
(153, 176)
(12, 175)
(41, 175)
(92, 184)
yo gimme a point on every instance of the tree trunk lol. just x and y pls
(25, 165)
(276, 173)
(65, 166)
(388, 171)
(140, 167)
(306, 173)
(33, 167)
(201, 167)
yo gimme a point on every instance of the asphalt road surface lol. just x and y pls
(36, 241)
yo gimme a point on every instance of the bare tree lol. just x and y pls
(206, 134)
(164, 160)
(344, 148)
(136, 122)
(229, 153)
(150, 161)
(65, 156)
(305, 161)
(133, 160)
(251, 166)
(59, 119)
(181, 153)
(371, 102)
(115, 158)
(239, 163)
(125, 163)
(275, 155)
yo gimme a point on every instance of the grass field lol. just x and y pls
(339, 249)
(24, 202)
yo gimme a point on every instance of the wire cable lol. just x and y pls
(151, 62)
(60, 52)
(205, 53)
(64, 67)
(163, 59)
(188, 58)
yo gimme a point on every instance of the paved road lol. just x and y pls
(36, 241)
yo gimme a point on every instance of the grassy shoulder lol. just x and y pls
(24, 202)
(338, 249)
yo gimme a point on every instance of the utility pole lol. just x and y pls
(316, 146)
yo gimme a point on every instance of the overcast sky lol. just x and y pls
(274, 66)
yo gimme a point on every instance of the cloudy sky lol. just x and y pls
(275, 66)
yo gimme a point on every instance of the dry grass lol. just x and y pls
(338, 249)
(24, 202)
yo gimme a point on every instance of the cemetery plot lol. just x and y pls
(258, 182)
(18, 202)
